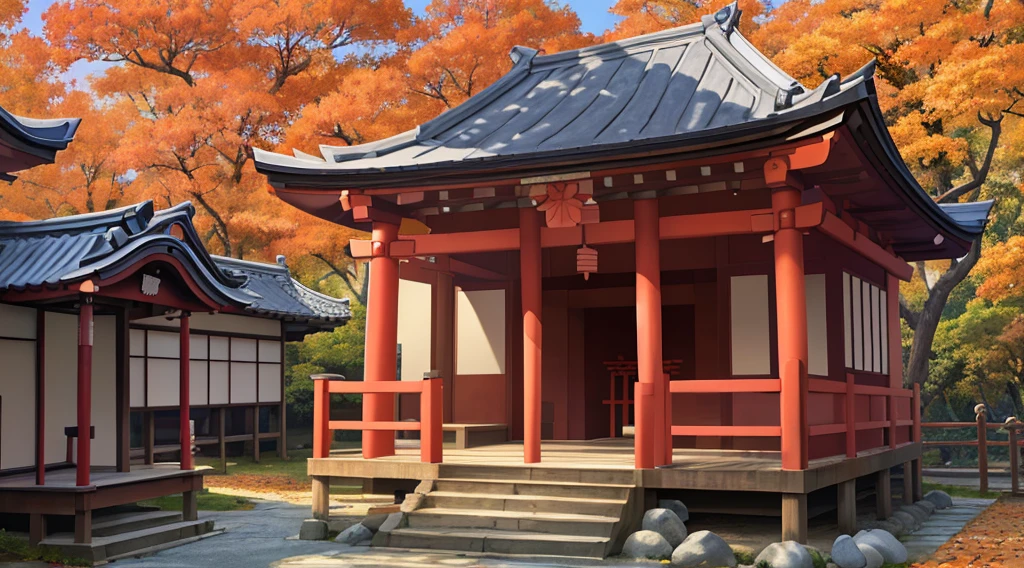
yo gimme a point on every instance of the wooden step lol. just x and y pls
(537, 488)
(549, 523)
(123, 543)
(525, 503)
(519, 473)
(499, 542)
(110, 525)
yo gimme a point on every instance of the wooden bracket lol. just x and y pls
(361, 248)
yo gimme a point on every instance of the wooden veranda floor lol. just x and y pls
(64, 478)
(736, 470)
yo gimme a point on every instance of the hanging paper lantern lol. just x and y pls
(586, 261)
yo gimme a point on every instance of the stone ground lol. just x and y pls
(942, 526)
(265, 535)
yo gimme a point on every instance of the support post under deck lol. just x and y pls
(794, 517)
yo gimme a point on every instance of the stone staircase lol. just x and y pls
(522, 511)
(122, 533)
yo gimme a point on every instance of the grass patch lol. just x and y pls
(244, 473)
(17, 549)
(958, 491)
(207, 502)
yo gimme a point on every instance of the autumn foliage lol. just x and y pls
(189, 87)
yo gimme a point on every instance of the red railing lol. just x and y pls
(429, 425)
(1013, 428)
(849, 389)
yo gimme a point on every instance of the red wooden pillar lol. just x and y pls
(184, 398)
(85, 337)
(322, 415)
(650, 365)
(381, 360)
(530, 275)
(791, 307)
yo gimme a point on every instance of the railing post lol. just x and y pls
(668, 421)
(1012, 425)
(322, 415)
(851, 417)
(431, 416)
(981, 413)
(916, 432)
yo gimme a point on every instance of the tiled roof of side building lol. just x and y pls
(31, 141)
(41, 254)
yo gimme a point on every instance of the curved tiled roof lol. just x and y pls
(45, 254)
(682, 94)
(36, 140)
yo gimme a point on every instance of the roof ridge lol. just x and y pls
(133, 218)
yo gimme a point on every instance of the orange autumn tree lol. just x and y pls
(645, 16)
(207, 81)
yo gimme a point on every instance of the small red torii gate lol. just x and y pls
(627, 371)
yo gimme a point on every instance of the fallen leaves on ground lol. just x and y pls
(258, 483)
(995, 539)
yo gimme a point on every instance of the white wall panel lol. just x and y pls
(414, 328)
(162, 344)
(857, 313)
(270, 382)
(219, 349)
(480, 331)
(817, 325)
(230, 323)
(163, 382)
(197, 375)
(218, 382)
(876, 331)
(198, 347)
(17, 401)
(137, 380)
(61, 381)
(137, 342)
(869, 328)
(243, 382)
(884, 316)
(104, 391)
(750, 325)
(847, 321)
(18, 321)
(243, 349)
(270, 351)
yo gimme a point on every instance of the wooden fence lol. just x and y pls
(1013, 427)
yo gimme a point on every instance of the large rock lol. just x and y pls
(891, 549)
(373, 522)
(355, 534)
(647, 544)
(910, 523)
(917, 512)
(927, 505)
(677, 507)
(873, 557)
(704, 549)
(846, 554)
(940, 499)
(313, 529)
(788, 554)
(667, 524)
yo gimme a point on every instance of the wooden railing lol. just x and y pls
(429, 425)
(849, 389)
(1013, 427)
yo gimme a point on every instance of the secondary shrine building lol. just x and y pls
(123, 342)
(665, 238)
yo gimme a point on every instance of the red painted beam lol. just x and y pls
(530, 268)
(374, 426)
(841, 232)
(825, 429)
(381, 344)
(725, 385)
(752, 431)
(375, 387)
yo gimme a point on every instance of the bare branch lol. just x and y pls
(977, 179)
